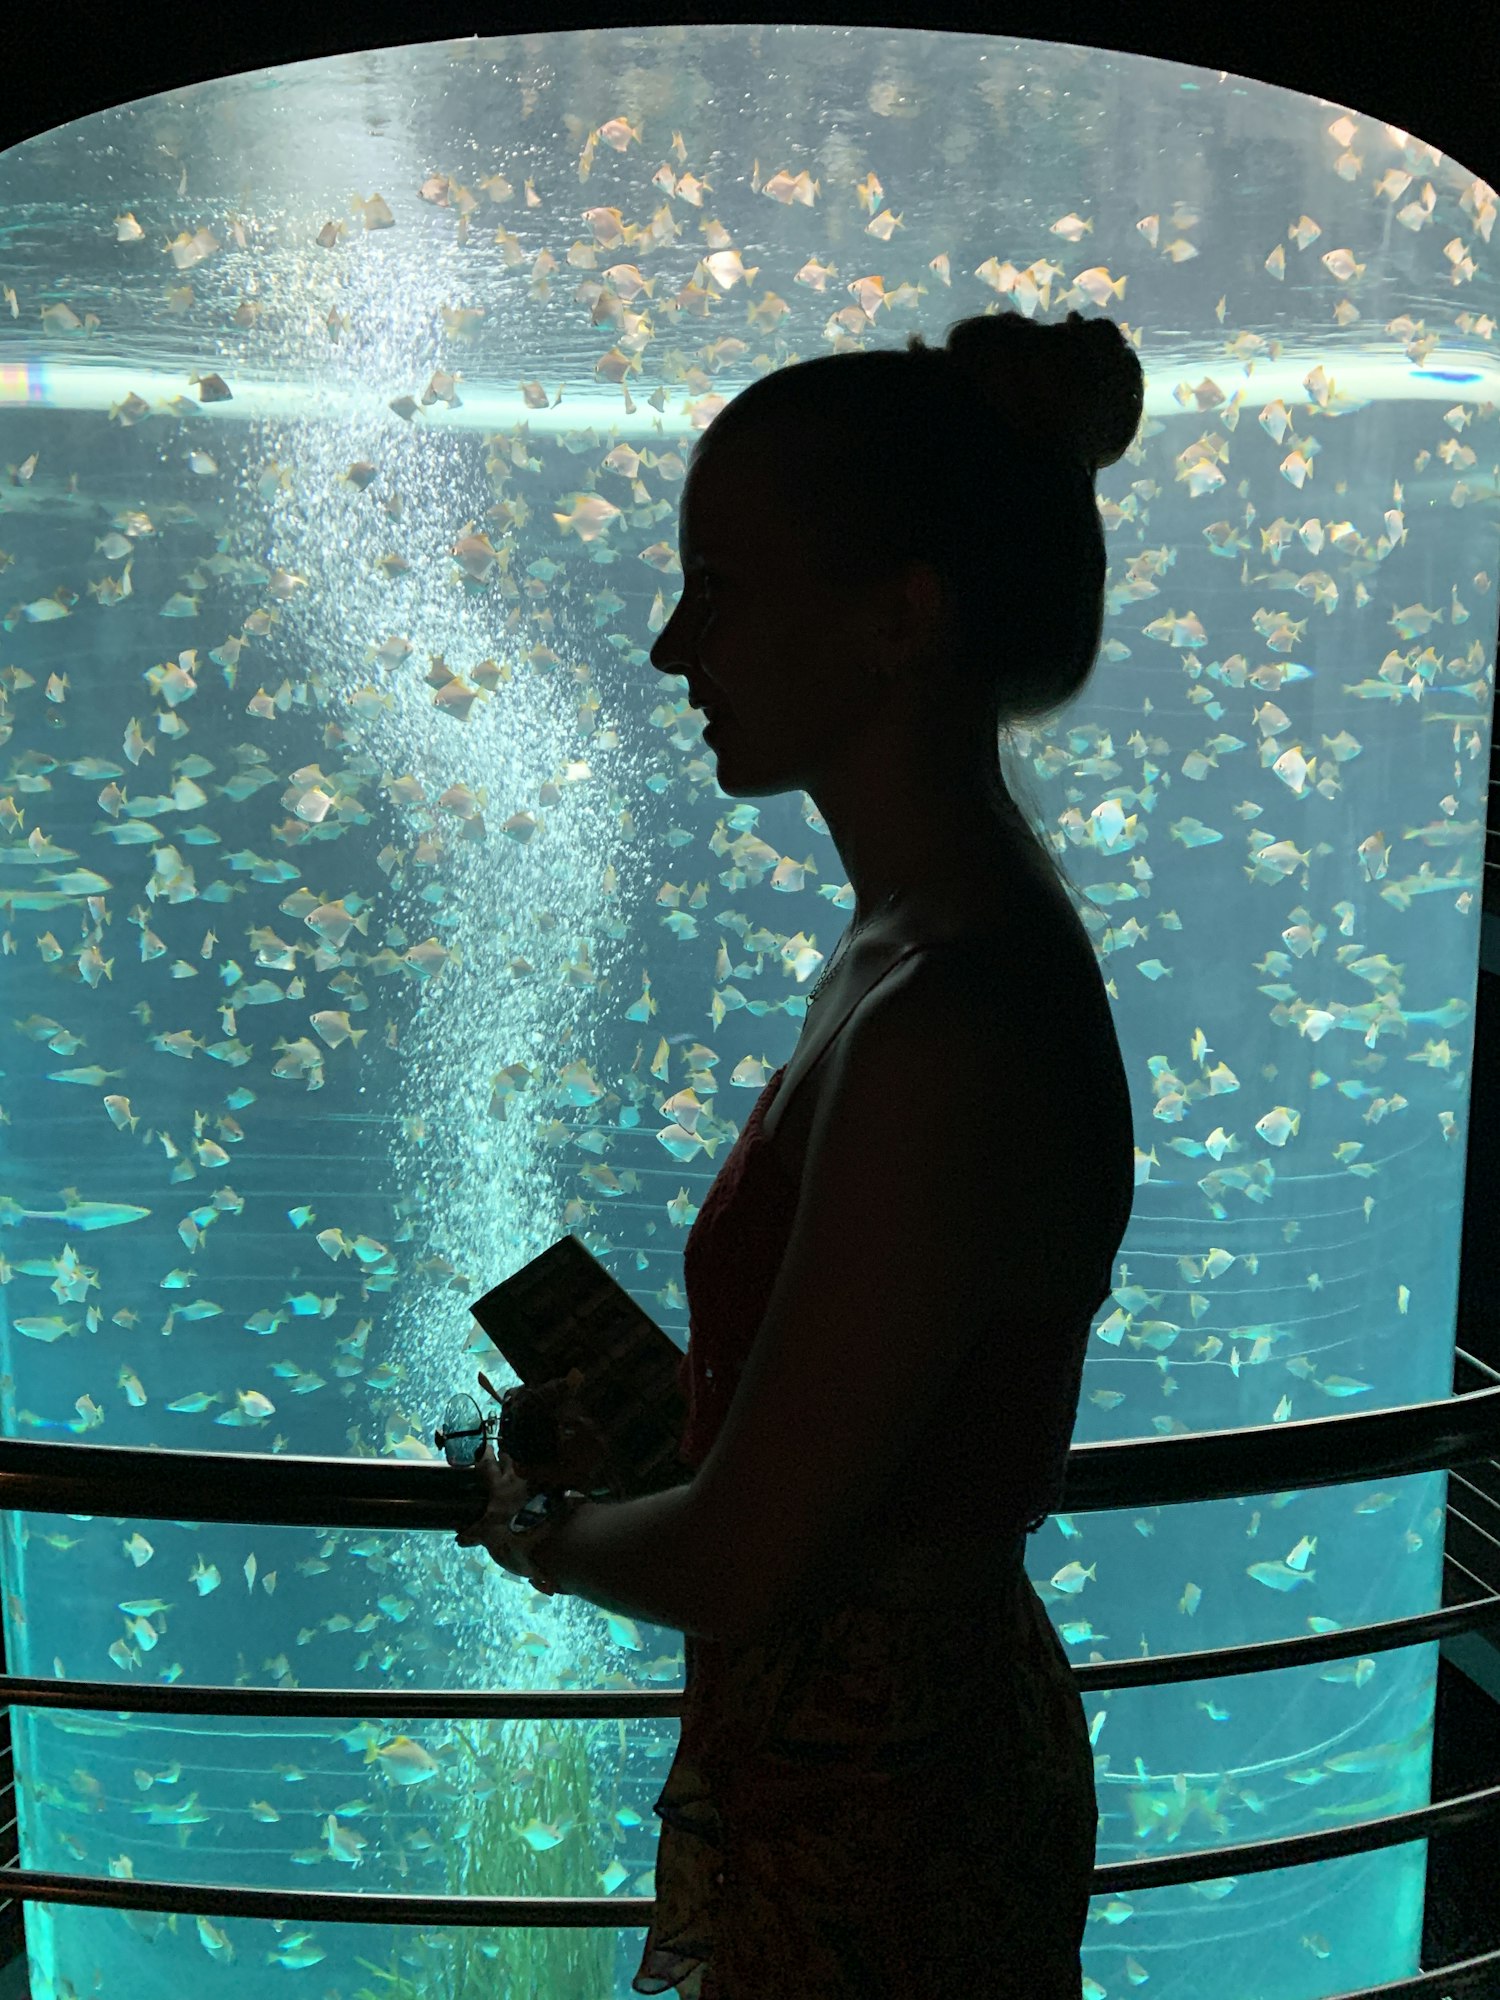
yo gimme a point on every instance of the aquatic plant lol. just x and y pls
(493, 1857)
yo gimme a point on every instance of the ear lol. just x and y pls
(915, 617)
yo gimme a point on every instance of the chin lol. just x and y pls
(754, 788)
(738, 782)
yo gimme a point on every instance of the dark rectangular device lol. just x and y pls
(563, 1310)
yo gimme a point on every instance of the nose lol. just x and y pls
(667, 653)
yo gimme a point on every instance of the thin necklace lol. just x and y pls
(827, 972)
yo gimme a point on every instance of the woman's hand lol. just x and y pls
(505, 1491)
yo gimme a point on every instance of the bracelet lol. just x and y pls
(537, 1538)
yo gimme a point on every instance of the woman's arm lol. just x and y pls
(643, 1559)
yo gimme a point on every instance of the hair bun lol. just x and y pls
(1075, 383)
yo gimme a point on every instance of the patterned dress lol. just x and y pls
(871, 1804)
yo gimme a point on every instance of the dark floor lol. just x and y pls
(1463, 1869)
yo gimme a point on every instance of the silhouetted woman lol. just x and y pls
(889, 558)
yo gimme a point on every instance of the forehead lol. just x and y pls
(705, 498)
(730, 499)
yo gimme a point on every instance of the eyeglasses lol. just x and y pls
(464, 1430)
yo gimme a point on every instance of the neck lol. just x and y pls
(904, 853)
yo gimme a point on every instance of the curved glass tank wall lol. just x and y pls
(372, 914)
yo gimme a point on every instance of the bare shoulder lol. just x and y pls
(983, 1006)
(1000, 1038)
(955, 1088)
(1000, 968)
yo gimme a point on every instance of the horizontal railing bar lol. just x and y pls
(589, 1912)
(1269, 1655)
(1480, 1493)
(126, 1482)
(1473, 1360)
(1486, 1535)
(1461, 1569)
(1480, 1586)
(291, 1704)
(611, 1704)
(1458, 1567)
(1465, 1979)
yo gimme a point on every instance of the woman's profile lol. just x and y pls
(889, 559)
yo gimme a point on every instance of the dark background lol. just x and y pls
(1432, 70)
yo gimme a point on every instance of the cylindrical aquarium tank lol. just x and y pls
(372, 915)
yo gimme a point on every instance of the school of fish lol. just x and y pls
(232, 772)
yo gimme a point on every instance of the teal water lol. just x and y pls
(337, 987)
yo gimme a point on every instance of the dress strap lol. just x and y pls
(900, 959)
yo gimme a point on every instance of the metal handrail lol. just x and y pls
(1162, 1871)
(1462, 1353)
(638, 1704)
(269, 1490)
(609, 1912)
(327, 1492)
(123, 1482)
